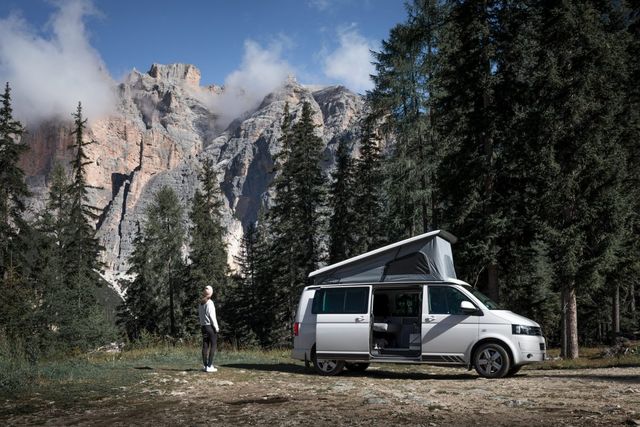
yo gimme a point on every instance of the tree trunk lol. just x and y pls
(492, 282)
(632, 293)
(563, 329)
(172, 316)
(488, 148)
(615, 312)
(570, 323)
(599, 331)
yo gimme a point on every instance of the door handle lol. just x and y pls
(429, 319)
(359, 319)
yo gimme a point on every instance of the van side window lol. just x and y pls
(341, 301)
(408, 305)
(445, 300)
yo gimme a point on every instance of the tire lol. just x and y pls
(328, 367)
(491, 360)
(514, 370)
(356, 367)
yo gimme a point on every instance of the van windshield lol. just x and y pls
(488, 302)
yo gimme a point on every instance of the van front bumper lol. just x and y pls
(532, 349)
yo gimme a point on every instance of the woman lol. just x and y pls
(210, 329)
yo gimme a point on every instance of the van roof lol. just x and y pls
(449, 281)
(426, 257)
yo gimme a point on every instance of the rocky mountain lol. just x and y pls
(164, 126)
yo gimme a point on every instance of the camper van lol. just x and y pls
(403, 304)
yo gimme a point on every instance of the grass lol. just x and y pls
(102, 372)
(591, 358)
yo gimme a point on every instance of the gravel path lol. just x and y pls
(385, 395)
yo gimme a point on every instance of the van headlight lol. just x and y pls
(525, 330)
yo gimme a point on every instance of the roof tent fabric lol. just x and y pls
(427, 257)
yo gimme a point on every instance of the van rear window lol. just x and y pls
(341, 301)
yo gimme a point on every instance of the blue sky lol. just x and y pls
(213, 34)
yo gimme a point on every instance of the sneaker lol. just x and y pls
(204, 368)
(211, 369)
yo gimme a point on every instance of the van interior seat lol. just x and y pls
(387, 326)
(380, 327)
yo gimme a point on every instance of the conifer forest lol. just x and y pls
(514, 125)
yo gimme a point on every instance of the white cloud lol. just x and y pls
(50, 73)
(350, 63)
(261, 72)
(320, 5)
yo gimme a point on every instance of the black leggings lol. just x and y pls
(209, 344)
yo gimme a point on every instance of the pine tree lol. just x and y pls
(529, 118)
(342, 223)
(296, 218)
(16, 296)
(309, 184)
(136, 313)
(208, 253)
(368, 205)
(155, 299)
(13, 189)
(403, 99)
(267, 323)
(241, 300)
(82, 245)
(275, 275)
(82, 322)
(527, 280)
(632, 135)
(569, 141)
(48, 271)
(466, 119)
(62, 261)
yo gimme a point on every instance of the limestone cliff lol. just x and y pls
(162, 130)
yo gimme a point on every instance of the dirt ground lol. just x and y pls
(385, 395)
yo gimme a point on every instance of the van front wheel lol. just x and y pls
(328, 367)
(492, 361)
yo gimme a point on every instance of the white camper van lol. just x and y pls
(403, 304)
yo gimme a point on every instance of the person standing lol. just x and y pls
(210, 329)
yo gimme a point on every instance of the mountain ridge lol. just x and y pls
(164, 126)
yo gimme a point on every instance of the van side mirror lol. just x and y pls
(468, 308)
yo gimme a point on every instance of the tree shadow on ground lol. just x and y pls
(378, 372)
(625, 379)
(393, 375)
(289, 368)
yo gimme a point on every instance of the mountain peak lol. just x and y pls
(188, 73)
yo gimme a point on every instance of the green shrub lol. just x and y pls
(16, 373)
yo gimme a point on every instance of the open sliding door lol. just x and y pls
(343, 322)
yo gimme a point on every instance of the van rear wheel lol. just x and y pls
(491, 360)
(328, 367)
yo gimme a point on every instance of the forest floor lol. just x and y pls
(166, 387)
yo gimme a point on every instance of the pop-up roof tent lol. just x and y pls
(426, 257)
